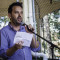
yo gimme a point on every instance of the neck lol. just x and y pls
(16, 27)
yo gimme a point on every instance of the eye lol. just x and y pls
(22, 12)
(16, 12)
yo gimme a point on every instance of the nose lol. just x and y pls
(19, 14)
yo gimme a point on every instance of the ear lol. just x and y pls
(9, 15)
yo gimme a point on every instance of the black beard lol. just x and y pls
(15, 21)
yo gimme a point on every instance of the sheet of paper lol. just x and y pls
(23, 36)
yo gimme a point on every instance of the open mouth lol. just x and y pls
(19, 19)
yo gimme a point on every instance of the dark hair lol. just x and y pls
(14, 4)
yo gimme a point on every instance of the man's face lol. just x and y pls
(16, 15)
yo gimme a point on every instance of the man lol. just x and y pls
(8, 49)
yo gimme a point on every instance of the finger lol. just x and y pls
(26, 28)
(30, 27)
(21, 42)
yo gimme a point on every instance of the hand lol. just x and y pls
(18, 45)
(29, 27)
(13, 49)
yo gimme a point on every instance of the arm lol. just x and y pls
(13, 49)
(5, 51)
(34, 43)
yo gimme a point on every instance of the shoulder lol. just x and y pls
(4, 29)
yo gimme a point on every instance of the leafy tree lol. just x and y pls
(4, 20)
